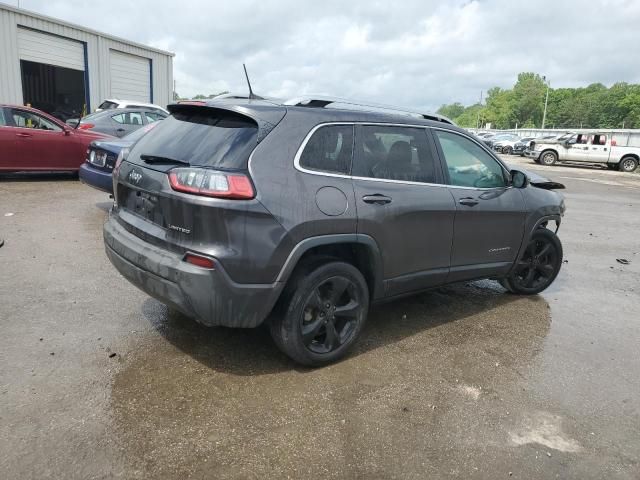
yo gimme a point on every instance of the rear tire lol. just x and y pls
(539, 265)
(548, 158)
(322, 314)
(628, 164)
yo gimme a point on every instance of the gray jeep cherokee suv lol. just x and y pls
(306, 213)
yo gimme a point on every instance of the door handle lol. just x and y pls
(23, 135)
(468, 201)
(376, 199)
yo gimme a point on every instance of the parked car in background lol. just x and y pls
(520, 148)
(506, 145)
(114, 103)
(521, 145)
(120, 122)
(377, 205)
(31, 140)
(500, 137)
(102, 156)
(591, 147)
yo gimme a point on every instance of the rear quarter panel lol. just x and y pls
(289, 194)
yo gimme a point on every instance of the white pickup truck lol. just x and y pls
(586, 148)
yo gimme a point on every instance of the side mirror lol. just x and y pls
(518, 179)
(67, 131)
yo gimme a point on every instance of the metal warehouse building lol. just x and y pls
(64, 69)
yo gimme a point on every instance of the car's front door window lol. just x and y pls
(24, 119)
(468, 164)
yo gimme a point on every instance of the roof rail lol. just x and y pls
(318, 101)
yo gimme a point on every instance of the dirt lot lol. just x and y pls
(465, 381)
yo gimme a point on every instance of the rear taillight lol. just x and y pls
(86, 126)
(116, 169)
(211, 183)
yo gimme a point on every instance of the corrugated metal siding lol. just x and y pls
(130, 76)
(98, 47)
(50, 49)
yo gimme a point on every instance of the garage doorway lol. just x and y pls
(56, 90)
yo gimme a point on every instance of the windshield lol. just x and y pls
(107, 105)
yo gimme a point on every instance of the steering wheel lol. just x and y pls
(486, 181)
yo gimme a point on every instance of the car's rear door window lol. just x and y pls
(201, 136)
(128, 118)
(395, 153)
(329, 149)
(468, 165)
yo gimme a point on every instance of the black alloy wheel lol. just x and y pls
(330, 315)
(321, 312)
(539, 265)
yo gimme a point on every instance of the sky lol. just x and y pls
(418, 54)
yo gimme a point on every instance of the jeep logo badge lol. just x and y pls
(134, 177)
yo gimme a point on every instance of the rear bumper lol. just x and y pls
(96, 178)
(208, 296)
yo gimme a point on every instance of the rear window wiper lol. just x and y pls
(152, 159)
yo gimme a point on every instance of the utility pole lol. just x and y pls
(478, 117)
(546, 99)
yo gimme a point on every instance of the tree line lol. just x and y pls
(595, 106)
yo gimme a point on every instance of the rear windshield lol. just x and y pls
(202, 136)
(106, 105)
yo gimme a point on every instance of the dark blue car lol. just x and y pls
(101, 158)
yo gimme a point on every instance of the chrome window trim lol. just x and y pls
(296, 160)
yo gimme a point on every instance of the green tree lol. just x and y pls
(451, 111)
(528, 99)
(594, 106)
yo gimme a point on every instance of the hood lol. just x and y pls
(89, 134)
(539, 181)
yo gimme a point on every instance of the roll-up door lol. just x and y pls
(49, 49)
(130, 76)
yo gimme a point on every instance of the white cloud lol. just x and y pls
(415, 53)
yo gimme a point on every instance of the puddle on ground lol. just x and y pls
(429, 387)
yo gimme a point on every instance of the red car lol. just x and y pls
(31, 140)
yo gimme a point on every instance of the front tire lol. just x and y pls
(539, 265)
(507, 150)
(548, 158)
(628, 164)
(322, 315)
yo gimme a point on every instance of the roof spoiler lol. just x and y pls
(265, 115)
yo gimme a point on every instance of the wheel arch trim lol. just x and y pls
(538, 224)
(335, 239)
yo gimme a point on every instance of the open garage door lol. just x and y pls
(130, 77)
(53, 73)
